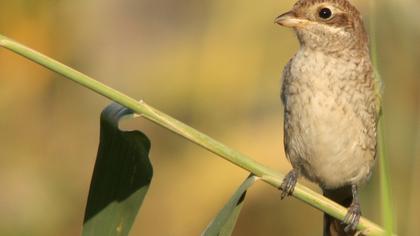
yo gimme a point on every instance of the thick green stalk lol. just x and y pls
(266, 174)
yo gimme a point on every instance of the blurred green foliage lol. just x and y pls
(215, 65)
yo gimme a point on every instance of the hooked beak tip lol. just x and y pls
(279, 20)
(288, 19)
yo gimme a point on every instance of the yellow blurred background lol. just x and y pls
(213, 64)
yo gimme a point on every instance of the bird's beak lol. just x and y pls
(289, 19)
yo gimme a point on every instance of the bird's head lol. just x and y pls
(328, 25)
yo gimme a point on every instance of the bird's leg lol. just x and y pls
(289, 183)
(354, 212)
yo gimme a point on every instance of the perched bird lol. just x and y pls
(331, 105)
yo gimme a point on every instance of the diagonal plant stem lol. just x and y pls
(265, 173)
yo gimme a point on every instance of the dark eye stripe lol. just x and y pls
(339, 20)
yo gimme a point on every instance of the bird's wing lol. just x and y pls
(286, 78)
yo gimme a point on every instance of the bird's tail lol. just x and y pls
(332, 226)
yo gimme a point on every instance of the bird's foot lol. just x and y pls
(289, 183)
(352, 217)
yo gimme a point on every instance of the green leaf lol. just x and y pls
(121, 177)
(224, 223)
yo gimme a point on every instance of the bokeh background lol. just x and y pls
(213, 64)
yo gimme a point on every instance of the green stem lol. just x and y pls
(265, 173)
(387, 212)
(386, 205)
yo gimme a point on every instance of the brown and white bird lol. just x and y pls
(331, 105)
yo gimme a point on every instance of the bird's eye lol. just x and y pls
(325, 13)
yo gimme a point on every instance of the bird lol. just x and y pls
(332, 104)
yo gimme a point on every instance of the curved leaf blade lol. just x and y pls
(121, 177)
(224, 223)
